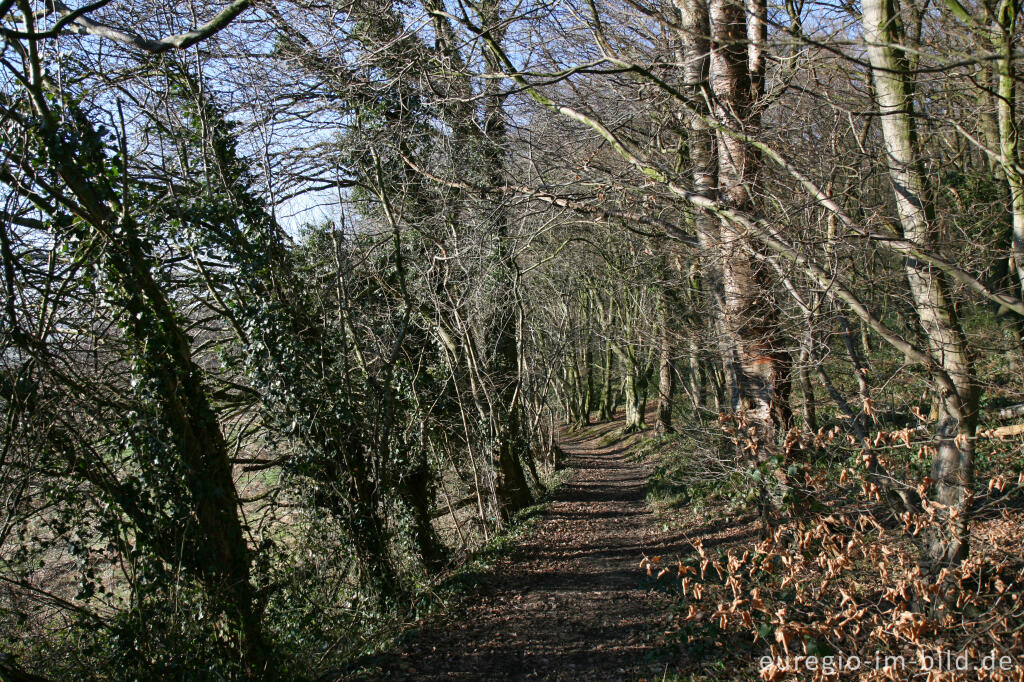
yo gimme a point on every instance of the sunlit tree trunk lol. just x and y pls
(1004, 37)
(607, 406)
(666, 373)
(757, 364)
(953, 464)
(587, 387)
(634, 387)
(700, 145)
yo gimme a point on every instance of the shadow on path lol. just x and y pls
(570, 602)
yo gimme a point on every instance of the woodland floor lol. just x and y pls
(570, 601)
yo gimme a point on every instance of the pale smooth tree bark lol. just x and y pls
(700, 145)
(1004, 33)
(953, 464)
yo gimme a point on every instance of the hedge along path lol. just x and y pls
(570, 602)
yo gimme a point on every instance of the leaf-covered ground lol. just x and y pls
(570, 602)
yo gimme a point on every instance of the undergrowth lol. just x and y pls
(836, 584)
(438, 598)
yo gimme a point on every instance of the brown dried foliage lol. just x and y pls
(843, 576)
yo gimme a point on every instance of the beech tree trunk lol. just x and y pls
(666, 373)
(634, 388)
(607, 406)
(1004, 33)
(757, 364)
(1009, 137)
(700, 144)
(953, 464)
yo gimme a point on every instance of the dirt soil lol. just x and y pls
(570, 602)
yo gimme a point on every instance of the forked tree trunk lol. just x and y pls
(757, 363)
(860, 370)
(700, 144)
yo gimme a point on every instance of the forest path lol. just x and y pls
(570, 601)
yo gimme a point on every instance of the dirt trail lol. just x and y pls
(570, 602)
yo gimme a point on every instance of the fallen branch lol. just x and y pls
(1002, 431)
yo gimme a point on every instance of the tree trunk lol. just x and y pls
(416, 489)
(208, 539)
(666, 373)
(757, 364)
(1009, 149)
(806, 358)
(953, 464)
(511, 487)
(697, 377)
(860, 369)
(588, 383)
(700, 144)
(632, 389)
(1009, 153)
(607, 389)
